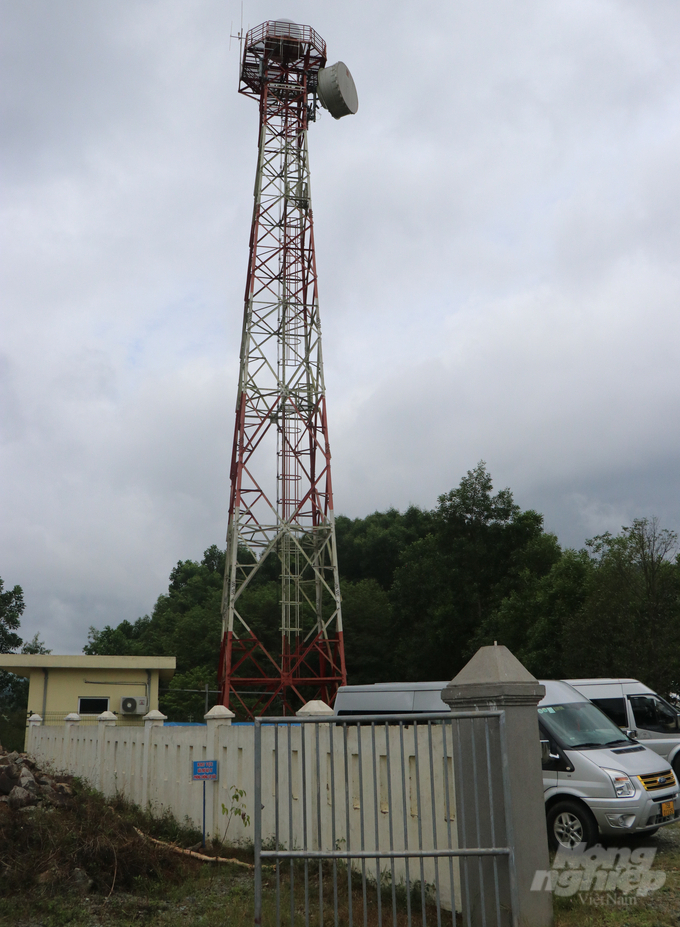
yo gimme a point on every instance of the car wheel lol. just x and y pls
(570, 824)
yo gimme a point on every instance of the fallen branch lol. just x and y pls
(115, 870)
(194, 855)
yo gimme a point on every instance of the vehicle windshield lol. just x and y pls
(580, 724)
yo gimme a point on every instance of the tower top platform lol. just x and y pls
(280, 51)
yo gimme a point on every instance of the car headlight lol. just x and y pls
(623, 786)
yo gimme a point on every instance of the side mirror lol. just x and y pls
(546, 755)
(631, 734)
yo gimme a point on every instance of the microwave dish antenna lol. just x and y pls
(282, 641)
(337, 92)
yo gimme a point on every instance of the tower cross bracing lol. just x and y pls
(281, 500)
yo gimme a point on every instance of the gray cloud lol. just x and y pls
(497, 235)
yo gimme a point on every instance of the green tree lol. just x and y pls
(531, 620)
(11, 609)
(13, 688)
(185, 699)
(629, 623)
(371, 547)
(185, 621)
(451, 581)
(367, 621)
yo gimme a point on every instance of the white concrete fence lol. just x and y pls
(152, 767)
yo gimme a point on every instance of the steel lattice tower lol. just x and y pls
(281, 499)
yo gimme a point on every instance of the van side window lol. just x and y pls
(653, 714)
(546, 762)
(614, 708)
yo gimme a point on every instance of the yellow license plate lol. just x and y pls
(667, 809)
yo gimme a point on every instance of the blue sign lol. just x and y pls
(205, 769)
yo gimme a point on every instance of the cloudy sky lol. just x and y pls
(497, 232)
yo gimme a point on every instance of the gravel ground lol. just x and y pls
(225, 898)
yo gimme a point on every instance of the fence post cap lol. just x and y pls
(314, 707)
(219, 713)
(107, 716)
(72, 717)
(155, 717)
(35, 719)
(495, 675)
(493, 664)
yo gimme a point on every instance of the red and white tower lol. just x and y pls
(281, 499)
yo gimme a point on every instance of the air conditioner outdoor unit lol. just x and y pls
(134, 705)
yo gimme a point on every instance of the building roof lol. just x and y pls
(23, 663)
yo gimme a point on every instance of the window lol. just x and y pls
(92, 706)
(653, 714)
(579, 725)
(614, 708)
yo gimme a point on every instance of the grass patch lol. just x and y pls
(83, 864)
(88, 844)
(660, 908)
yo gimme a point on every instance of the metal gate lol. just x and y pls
(361, 820)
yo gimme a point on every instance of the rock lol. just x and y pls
(4, 760)
(9, 777)
(64, 788)
(27, 780)
(81, 881)
(20, 798)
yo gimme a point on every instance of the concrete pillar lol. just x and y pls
(313, 708)
(218, 717)
(495, 680)
(105, 720)
(71, 722)
(152, 720)
(34, 722)
(316, 708)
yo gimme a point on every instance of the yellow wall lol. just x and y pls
(66, 685)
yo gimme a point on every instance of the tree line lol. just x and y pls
(423, 589)
(14, 689)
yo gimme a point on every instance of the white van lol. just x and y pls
(594, 775)
(391, 698)
(636, 708)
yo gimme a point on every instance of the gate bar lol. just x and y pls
(389, 854)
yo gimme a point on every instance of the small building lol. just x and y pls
(59, 685)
